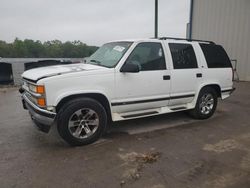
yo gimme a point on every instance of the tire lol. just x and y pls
(205, 107)
(81, 121)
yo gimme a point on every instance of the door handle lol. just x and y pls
(166, 77)
(198, 75)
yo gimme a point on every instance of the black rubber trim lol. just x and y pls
(182, 96)
(142, 101)
(24, 105)
(29, 80)
(151, 100)
(21, 90)
(141, 114)
(228, 90)
(42, 127)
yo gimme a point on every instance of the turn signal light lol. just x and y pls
(41, 102)
(40, 89)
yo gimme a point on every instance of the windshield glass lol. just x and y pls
(109, 54)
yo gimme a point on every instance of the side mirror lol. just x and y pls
(130, 67)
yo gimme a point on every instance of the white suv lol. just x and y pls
(124, 80)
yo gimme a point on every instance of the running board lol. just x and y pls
(145, 113)
(178, 108)
(140, 114)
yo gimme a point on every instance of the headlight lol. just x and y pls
(36, 93)
(37, 88)
(32, 88)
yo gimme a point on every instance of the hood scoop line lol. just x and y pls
(56, 74)
(37, 74)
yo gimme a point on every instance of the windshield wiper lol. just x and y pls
(95, 61)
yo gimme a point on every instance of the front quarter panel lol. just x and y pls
(58, 88)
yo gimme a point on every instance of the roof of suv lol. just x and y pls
(165, 38)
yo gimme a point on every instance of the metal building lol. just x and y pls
(225, 22)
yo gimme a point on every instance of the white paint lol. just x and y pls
(66, 80)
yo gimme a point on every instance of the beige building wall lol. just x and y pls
(225, 22)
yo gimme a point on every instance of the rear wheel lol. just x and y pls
(206, 104)
(81, 121)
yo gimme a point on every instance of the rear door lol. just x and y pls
(186, 74)
(218, 67)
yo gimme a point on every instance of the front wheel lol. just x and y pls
(81, 121)
(206, 104)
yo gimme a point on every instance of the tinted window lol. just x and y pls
(149, 56)
(216, 56)
(183, 56)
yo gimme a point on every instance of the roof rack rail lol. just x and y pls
(190, 40)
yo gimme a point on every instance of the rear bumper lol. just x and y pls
(43, 119)
(225, 93)
(230, 91)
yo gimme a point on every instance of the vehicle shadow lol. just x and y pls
(148, 124)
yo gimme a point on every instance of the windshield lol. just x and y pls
(109, 54)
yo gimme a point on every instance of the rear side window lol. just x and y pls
(183, 56)
(216, 56)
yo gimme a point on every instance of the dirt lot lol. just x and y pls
(165, 151)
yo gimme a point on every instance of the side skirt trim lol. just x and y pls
(151, 100)
(140, 114)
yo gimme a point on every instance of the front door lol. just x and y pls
(147, 89)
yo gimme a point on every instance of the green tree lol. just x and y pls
(5, 49)
(37, 49)
(19, 49)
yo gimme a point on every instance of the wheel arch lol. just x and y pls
(215, 86)
(101, 98)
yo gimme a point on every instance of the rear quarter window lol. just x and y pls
(215, 56)
(183, 56)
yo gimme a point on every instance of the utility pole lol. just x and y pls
(156, 18)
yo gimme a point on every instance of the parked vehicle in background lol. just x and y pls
(128, 79)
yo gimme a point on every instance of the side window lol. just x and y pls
(149, 56)
(183, 56)
(216, 56)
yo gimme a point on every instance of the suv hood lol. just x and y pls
(44, 72)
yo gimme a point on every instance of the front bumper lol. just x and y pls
(43, 119)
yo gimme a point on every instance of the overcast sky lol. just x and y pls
(91, 21)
